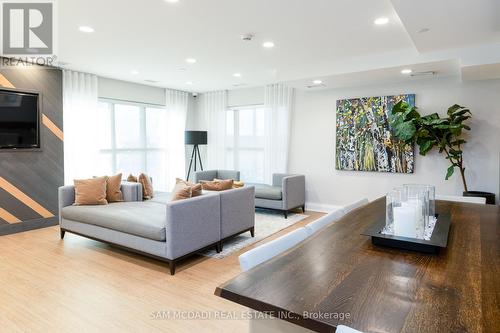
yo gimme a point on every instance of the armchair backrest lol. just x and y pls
(228, 174)
(220, 174)
(205, 175)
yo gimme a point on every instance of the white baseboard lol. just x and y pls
(323, 208)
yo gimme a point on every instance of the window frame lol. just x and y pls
(236, 147)
(114, 150)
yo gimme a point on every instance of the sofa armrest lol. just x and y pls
(192, 224)
(131, 191)
(66, 197)
(205, 175)
(228, 174)
(294, 191)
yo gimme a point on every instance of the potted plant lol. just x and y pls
(433, 131)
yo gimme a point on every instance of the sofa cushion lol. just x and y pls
(161, 197)
(268, 192)
(143, 219)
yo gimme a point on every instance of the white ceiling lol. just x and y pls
(313, 38)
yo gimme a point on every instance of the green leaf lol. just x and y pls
(449, 172)
(454, 108)
(400, 107)
(460, 119)
(425, 146)
(405, 131)
(461, 112)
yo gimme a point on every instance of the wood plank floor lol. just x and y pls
(76, 284)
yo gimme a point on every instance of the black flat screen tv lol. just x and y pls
(19, 120)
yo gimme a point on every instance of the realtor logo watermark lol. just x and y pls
(28, 32)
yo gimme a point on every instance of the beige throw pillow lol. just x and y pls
(181, 191)
(113, 188)
(131, 178)
(196, 189)
(147, 187)
(90, 191)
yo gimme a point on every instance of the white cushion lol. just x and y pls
(271, 249)
(324, 221)
(345, 329)
(355, 205)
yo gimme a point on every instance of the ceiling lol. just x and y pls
(313, 39)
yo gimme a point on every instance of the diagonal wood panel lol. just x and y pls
(52, 127)
(19, 195)
(8, 217)
(5, 83)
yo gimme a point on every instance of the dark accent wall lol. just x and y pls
(32, 177)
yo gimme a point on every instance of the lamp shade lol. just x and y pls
(195, 137)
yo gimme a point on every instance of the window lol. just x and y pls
(245, 133)
(132, 140)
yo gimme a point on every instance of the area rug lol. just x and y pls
(267, 222)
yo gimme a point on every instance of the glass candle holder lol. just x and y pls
(431, 193)
(393, 199)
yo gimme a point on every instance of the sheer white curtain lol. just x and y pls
(80, 112)
(176, 106)
(278, 104)
(214, 107)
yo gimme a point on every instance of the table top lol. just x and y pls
(338, 277)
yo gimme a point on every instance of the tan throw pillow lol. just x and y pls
(131, 178)
(195, 188)
(181, 191)
(113, 188)
(147, 187)
(90, 191)
(217, 185)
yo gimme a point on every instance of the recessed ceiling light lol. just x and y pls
(85, 28)
(189, 83)
(191, 60)
(172, 1)
(237, 74)
(406, 71)
(381, 21)
(317, 82)
(134, 72)
(268, 45)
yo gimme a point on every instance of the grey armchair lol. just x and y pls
(286, 193)
(220, 174)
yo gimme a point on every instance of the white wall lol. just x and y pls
(313, 142)
(129, 91)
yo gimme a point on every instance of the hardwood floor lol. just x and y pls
(76, 284)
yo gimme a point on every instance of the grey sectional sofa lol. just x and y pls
(168, 231)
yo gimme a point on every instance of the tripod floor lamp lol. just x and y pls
(195, 138)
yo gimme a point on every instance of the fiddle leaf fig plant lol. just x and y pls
(433, 131)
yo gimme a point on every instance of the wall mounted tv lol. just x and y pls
(19, 120)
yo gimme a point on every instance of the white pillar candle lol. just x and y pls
(405, 221)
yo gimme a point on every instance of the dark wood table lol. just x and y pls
(338, 272)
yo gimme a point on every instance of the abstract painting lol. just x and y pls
(365, 141)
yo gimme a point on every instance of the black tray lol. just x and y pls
(439, 238)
